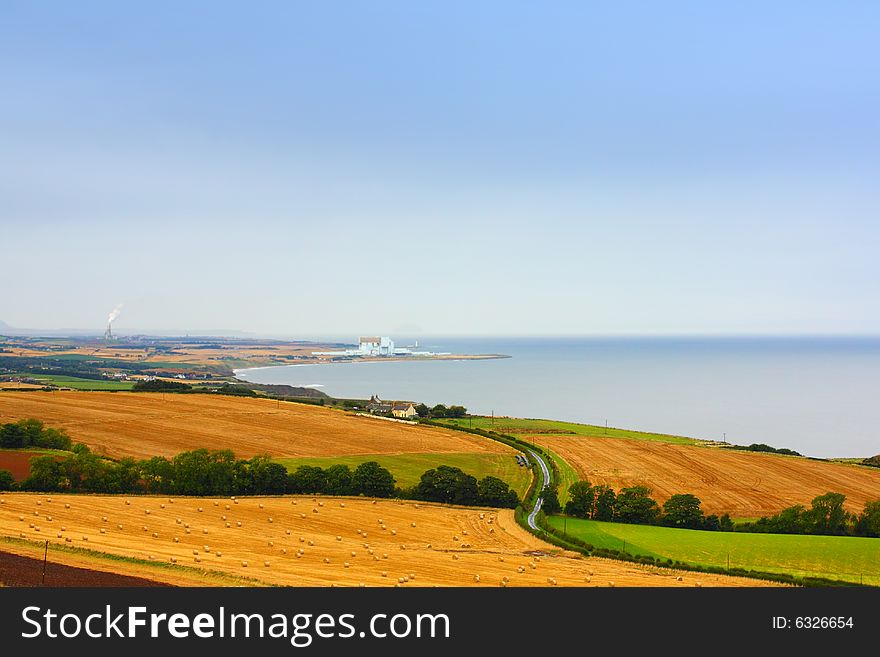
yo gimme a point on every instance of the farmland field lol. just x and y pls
(78, 383)
(18, 461)
(407, 468)
(746, 484)
(307, 541)
(154, 424)
(536, 429)
(835, 557)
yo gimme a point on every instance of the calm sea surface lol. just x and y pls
(819, 396)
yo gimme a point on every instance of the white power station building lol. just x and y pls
(375, 346)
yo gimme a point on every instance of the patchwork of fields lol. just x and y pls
(306, 541)
(845, 558)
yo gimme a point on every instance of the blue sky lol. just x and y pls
(441, 167)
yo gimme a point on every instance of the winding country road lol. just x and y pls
(546, 472)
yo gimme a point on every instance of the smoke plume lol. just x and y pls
(114, 314)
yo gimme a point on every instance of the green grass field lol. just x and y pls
(534, 429)
(835, 557)
(407, 468)
(567, 476)
(82, 384)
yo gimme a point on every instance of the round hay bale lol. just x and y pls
(238, 523)
(346, 564)
(200, 509)
(216, 503)
(270, 520)
(315, 510)
(394, 532)
(302, 515)
(261, 505)
(385, 555)
(66, 506)
(412, 524)
(611, 584)
(244, 564)
(267, 564)
(384, 573)
(204, 530)
(287, 531)
(342, 504)
(227, 507)
(302, 539)
(320, 504)
(117, 526)
(206, 548)
(218, 553)
(103, 518)
(176, 540)
(326, 560)
(228, 525)
(500, 558)
(161, 506)
(146, 511)
(338, 538)
(455, 557)
(85, 538)
(271, 543)
(155, 535)
(187, 530)
(476, 578)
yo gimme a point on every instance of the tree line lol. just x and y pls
(826, 516)
(206, 473)
(32, 433)
(635, 505)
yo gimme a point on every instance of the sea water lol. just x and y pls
(819, 396)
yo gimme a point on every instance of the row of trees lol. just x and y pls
(32, 433)
(200, 472)
(635, 505)
(451, 485)
(440, 411)
(204, 472)
(826, 516)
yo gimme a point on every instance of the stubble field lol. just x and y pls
(306, 541)
(743, 484)
(143, 425)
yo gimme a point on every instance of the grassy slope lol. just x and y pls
(82, 384)
(407, 468)
(534, 428)
(835, 557)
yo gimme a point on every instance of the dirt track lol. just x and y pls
(306, 541)
(744, 484)
(152, 424)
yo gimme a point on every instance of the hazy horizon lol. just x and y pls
(473, 169)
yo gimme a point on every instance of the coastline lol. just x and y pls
(371, 359)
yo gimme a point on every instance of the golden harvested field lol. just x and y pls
(152, 424)
(743, 484)
(306, 541)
